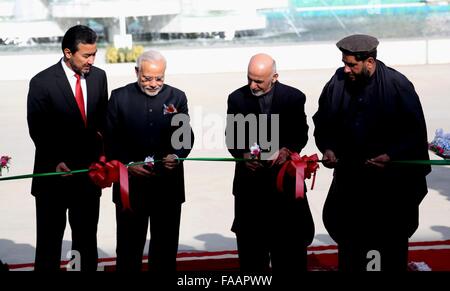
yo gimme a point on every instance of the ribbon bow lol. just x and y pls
(103, 174)
(300, 168)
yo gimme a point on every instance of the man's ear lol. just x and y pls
(371, 62)
(274, 78)
(67, 53)
(136, 69)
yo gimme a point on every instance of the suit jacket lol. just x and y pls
(57, 128)
(289, 104)
(138, 127)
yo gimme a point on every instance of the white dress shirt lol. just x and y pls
(70, 74)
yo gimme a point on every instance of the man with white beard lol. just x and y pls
(139, 126)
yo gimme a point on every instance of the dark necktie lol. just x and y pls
(79, 98)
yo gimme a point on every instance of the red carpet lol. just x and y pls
(434, 256)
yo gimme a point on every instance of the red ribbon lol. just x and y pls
(300, 168)
(104, 174)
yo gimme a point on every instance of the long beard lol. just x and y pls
(360, 79)
(363, 77)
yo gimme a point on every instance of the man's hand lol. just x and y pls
(329, 159)
(170, 161)
(62, 167)
(140, 171)
(283, 155)
(379, 161)
(252, 165)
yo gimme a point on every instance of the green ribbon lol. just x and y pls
(419, 162)
(128, 165)
(43, 175)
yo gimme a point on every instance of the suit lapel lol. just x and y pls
(275, 107)
(91, 96)
(66, 90)
(68, 96)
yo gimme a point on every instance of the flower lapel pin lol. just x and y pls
(169, 109)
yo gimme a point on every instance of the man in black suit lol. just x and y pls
(66, 108)
(271, 227)
(139, 125)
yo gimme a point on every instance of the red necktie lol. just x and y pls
(79, 98)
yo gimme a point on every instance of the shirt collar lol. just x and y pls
(69, 72)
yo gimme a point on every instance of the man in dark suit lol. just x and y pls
(271, 227)
(66, 108)
(139, 125)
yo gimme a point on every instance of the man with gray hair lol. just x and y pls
(139, 127)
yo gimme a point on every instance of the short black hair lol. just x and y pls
(78, 34)
(365, 55)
